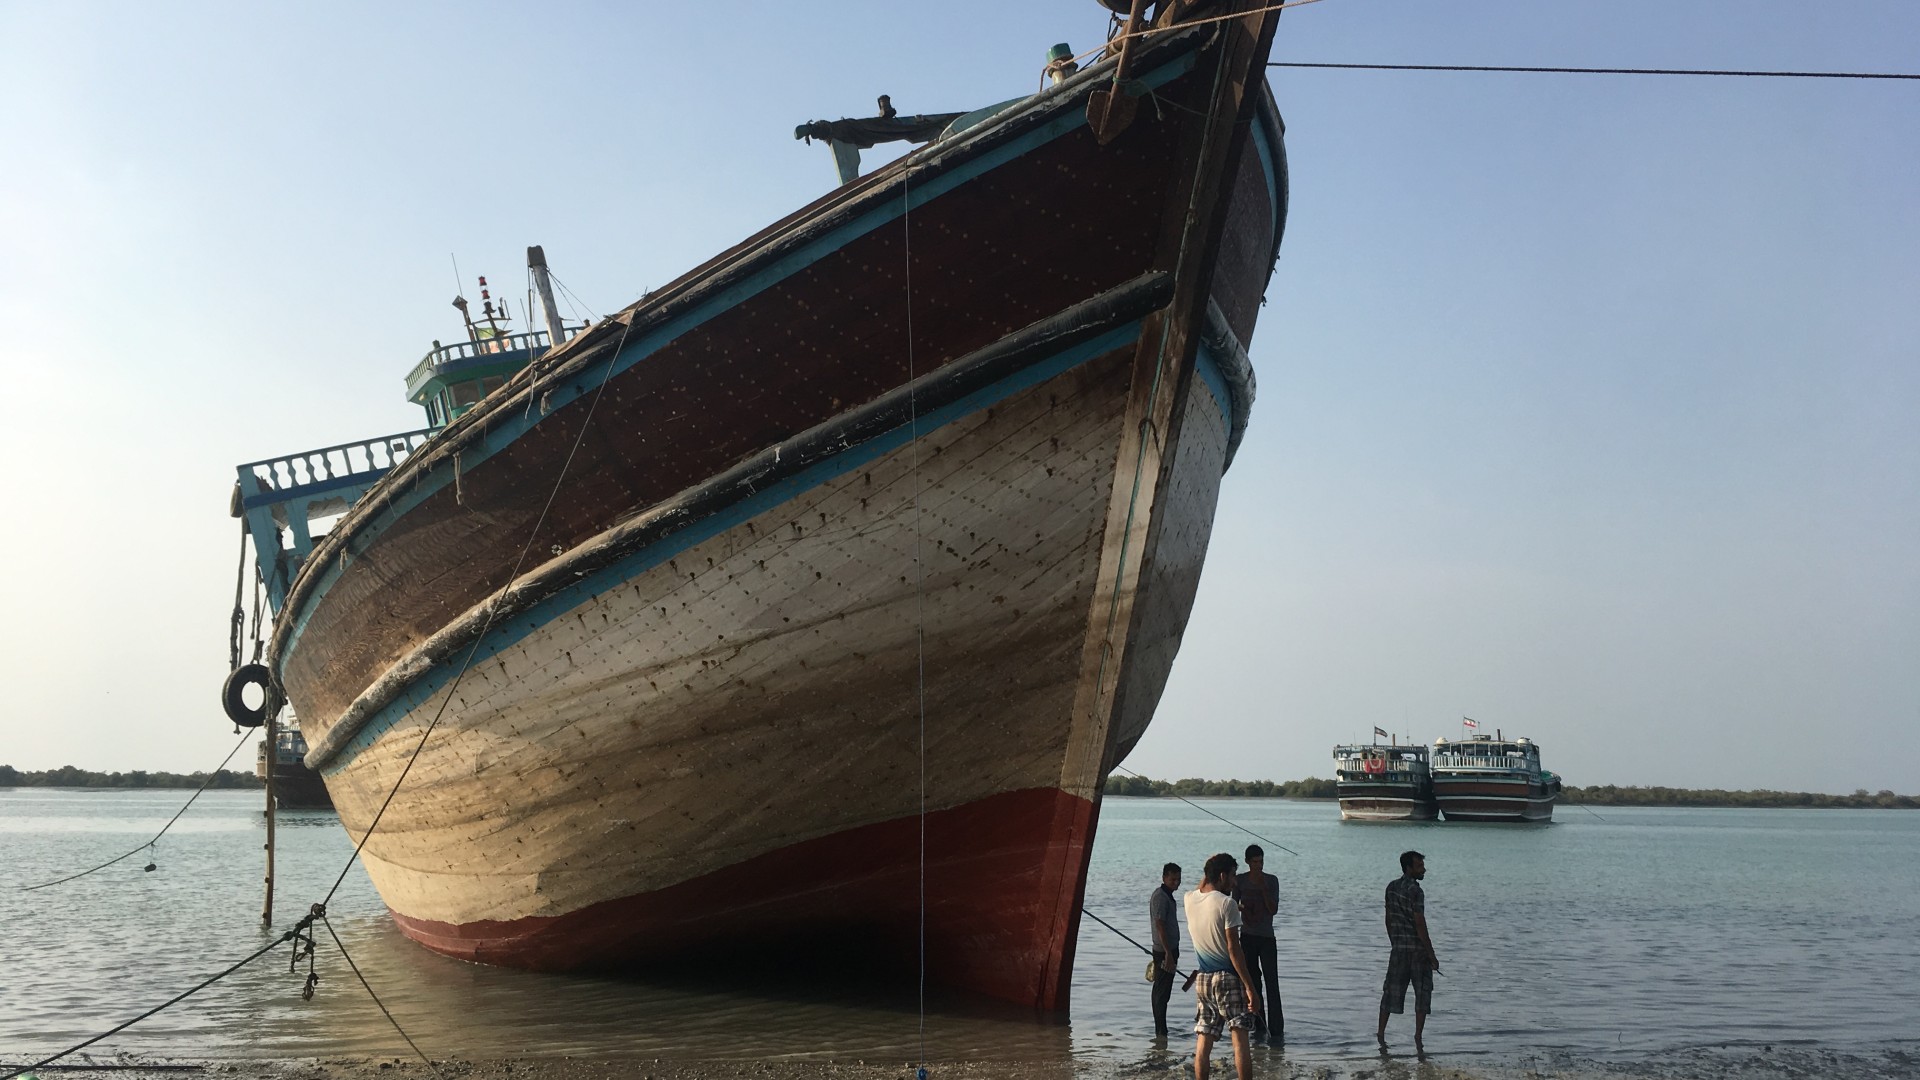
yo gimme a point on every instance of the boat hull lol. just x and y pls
(1386, 801)
(1480, 798)
(607, 761)
(839, 557)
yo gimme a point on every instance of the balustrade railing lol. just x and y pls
(462, 350)
(1481, 761)
(332, 465)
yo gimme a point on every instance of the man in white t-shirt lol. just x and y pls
(1224, 996)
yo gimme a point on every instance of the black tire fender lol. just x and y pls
(233, 694)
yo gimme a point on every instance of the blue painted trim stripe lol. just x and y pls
(584, 382)
(1264, 150)
(618, 574)
(1216, 385)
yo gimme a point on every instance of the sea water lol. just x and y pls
(1613, 934)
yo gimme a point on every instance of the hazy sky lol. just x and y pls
(1589, 407)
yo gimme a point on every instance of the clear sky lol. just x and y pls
(1589, 407)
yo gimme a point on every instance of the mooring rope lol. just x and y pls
(348, 957)
(1210, 813)
(211, 776)
(493, 608)
(319, 910)
(290, 935)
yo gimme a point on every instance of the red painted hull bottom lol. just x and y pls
(1005, 878)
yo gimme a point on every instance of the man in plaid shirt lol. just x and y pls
(1413, 960)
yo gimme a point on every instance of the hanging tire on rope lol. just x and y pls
(233, 695)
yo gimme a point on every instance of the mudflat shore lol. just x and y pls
(1892, 1062)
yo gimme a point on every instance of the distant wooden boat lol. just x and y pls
(1384, 783)
(1492, 779)
(295, 786)
(861, 550)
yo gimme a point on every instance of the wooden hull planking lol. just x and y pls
(1386, 801)
(739, 706)
(1493, 799)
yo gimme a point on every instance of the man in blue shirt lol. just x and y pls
(1413, 960)
(1166, 944)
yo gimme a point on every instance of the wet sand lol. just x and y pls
(1898, 1062)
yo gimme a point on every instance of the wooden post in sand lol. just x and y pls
(273, 760)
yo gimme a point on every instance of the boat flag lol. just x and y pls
(1380, 732)
(1470, 722)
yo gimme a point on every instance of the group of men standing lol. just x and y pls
(1230, 918)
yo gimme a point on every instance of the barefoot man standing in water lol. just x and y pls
(1224, 996)
(1413, 960)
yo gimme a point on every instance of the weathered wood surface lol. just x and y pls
(988, 258)
(749, 699)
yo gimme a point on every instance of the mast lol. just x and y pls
(537, 263)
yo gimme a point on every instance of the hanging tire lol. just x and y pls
(233, 696)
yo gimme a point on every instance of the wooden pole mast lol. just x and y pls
(273, 760)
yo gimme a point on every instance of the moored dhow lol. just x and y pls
(836, 574)
(295, 787)
(1492, 779)
(1384, 783)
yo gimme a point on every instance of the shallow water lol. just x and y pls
(1638, 932)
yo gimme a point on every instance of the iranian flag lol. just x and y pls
(1468, 721)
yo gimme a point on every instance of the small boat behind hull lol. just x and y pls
(295, 787)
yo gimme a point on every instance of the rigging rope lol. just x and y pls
(239, 610)
(570, 298)
(920, 593)
(1600, 71)
(163, 829)
(1187, 24)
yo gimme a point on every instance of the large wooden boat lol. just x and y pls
(1384, 783)
(820, 590)
(1492, 779)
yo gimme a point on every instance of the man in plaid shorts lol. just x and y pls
(1413, 960)
(1224, 996)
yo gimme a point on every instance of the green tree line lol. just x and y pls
(1310, 788)
(1613, 795)
(67, 776)
(1599, 795)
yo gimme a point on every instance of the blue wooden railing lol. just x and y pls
(279, 497)
(534, 342)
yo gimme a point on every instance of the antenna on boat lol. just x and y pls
(537, 263)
